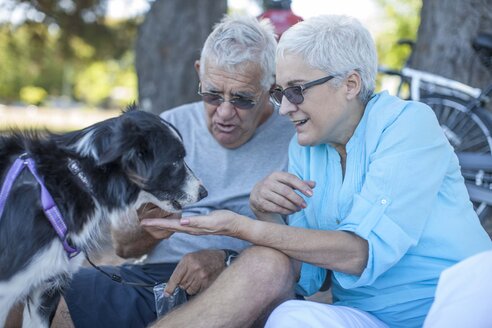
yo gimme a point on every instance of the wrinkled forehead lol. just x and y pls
(292, 69)
(246, 76)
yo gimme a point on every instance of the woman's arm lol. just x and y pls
(278, 194)
(336, 250)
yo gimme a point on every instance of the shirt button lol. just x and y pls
(337, 221)
(383, 201)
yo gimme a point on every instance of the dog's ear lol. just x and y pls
(123, 138)
(127, 147)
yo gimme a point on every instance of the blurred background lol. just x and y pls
(65, 64)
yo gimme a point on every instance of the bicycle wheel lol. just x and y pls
(467, 131)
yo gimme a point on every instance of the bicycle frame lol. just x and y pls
(433, 81)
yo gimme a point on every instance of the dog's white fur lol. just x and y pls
(46, 263)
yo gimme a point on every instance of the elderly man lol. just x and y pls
(233, 138)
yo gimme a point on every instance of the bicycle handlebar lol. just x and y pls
(389, 71)
(418, 76)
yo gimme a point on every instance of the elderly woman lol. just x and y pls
(374, 193)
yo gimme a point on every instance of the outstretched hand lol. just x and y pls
(221, 222)
(276, 194)
(150, 211)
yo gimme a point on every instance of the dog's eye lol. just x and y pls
(140, 154)
(176, 164)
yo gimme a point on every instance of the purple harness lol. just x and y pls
(50, 209)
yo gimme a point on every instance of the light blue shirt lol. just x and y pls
(403, 192)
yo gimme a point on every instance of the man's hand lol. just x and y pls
(196, 271)
(276, 194)
(150, 211)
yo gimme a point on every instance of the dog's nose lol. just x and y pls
(202, 192)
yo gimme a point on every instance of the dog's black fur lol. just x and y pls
(128, 160)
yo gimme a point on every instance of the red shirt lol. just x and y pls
(281, 19)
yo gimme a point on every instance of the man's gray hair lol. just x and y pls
(335, 45)
(239, 39)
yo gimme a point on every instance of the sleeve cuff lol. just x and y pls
(386, 239)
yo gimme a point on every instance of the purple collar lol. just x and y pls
(50, 209)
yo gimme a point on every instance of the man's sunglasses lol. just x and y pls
(216, 99)
(295, 94)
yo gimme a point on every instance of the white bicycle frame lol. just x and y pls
(433, 81)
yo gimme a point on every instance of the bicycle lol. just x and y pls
(460, 110)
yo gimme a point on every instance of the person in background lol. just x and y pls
(463, 295)
(280, 14)
(233, 138)
(374, 193)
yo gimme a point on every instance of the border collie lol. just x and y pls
(101, 174)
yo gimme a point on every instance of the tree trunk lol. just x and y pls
(445, 36)
(168, 43)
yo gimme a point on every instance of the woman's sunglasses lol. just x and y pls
(216, 99)
(295, 94)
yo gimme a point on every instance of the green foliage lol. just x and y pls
(108, 83)
(82, 19)
(402, 18)
(33, 95)
(93, 84)
(22, 58)
(44, 55)
(81, 48)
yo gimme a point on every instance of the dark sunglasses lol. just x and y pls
(216, 99)
(295, 94)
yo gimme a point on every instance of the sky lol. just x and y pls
(364, 10)
(125, 8)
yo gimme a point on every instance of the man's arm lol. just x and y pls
(131, 240)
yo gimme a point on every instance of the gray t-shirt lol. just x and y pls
(228, 174)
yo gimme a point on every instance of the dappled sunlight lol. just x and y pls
(52, 119)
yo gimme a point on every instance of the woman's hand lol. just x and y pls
(150, 211)
(276, 194)
(221, 222)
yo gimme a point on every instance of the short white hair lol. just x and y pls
(336, 45)
(240, 39)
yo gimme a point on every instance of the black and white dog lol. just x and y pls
(101, 174)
